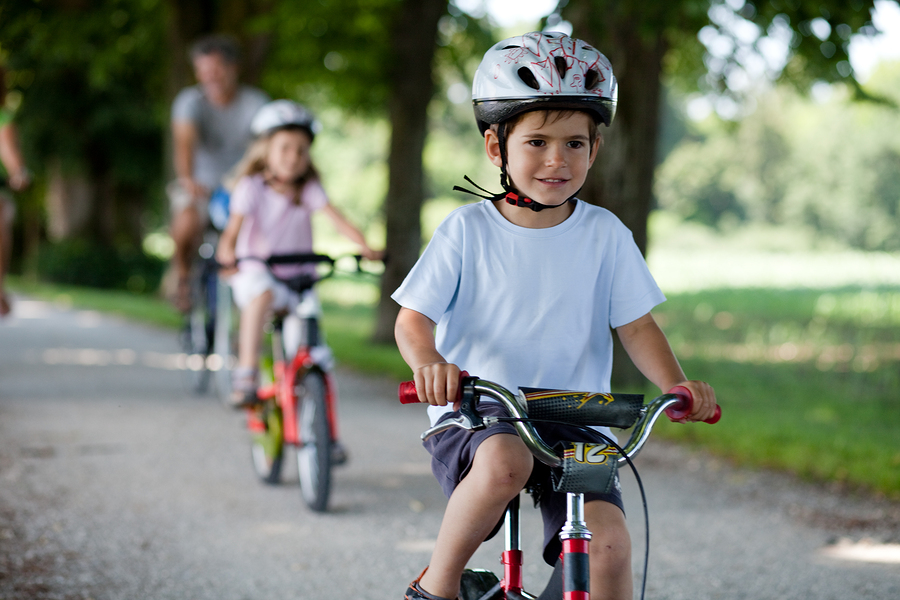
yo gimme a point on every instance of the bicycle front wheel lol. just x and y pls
(314, 452)
(267, 448)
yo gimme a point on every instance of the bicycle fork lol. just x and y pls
(576, 539)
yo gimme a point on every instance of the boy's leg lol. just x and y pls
(610, 549)
(499, 471)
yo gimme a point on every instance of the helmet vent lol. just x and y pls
(591, 79)
(510, 47)
(528, 78)
(561, 66)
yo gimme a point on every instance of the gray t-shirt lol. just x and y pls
(223, 133)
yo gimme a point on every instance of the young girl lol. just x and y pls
(276, 191)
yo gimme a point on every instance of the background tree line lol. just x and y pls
(92, 82)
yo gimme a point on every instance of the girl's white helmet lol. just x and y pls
(542, 70)
(283, 113)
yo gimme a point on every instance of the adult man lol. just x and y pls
(210, 130)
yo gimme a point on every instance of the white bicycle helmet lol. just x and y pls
(542, 70)
(283, 113)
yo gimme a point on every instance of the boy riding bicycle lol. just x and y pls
(523, 289)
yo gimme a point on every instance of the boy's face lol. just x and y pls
(548, 155)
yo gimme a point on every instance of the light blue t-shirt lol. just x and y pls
(530, 307)
(223, 133)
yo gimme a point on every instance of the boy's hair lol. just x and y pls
(223, 45)
(254, 163)
(553, 115)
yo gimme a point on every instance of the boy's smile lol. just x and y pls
(548, 155)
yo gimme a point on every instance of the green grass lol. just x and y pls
(807, 378)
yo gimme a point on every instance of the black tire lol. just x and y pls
(197, 335)
(267, 448)
(475, 583)
(225, 342)
(314, 453)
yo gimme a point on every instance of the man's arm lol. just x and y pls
(650, 351)
(436, 379)
(184, 139)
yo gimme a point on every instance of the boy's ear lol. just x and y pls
(492, 147)
(594, 148)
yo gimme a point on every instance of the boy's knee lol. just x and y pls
(503, 464)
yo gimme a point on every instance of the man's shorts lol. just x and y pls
(453, 452)
(180, 200)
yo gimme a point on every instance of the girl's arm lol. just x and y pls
(437, 381)
(227, 242)
(650, 351)
(348, 230)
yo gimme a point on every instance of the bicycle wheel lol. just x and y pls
(197, 334)
(314, 453)
(225, 344)
(267, 448)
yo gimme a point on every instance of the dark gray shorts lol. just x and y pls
(453, 451)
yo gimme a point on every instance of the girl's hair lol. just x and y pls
(254, 163)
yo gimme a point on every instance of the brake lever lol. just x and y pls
(468, 415)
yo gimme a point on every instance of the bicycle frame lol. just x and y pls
(286, 374)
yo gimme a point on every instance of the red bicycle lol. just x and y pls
(577, 468)
(298, 408)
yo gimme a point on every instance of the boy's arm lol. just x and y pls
(649, 349)
(437, 381)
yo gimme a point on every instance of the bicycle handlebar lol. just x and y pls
(677, 404)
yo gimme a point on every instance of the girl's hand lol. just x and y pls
(438, 384)
(704, 400)
(370, 254)
(227, 260)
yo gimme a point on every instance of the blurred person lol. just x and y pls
(210, 131)
(276, 191)
(17, 178)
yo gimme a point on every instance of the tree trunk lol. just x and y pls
(622, 177)
(415, 33)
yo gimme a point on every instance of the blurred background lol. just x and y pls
(754, 155)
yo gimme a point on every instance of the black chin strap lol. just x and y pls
(510, 194)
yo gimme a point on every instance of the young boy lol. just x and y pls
(523, 289)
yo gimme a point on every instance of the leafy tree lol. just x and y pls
(88, 80)
(648, 41)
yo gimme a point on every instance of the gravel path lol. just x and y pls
(116, 483)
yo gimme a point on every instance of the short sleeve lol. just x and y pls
(314, 196)
(430, 286)
(186, 106)
(245, 197)
(633, 292)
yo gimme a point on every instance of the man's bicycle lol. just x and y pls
(198, 332)
(298, 408)
(577, 467)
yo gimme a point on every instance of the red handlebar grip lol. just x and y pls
(682, 409)
(407, 393)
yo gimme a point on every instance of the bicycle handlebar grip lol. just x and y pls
(683, 408)
(407, 391)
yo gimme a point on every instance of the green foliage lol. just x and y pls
(806, 378)
(94, 71)
(83, 263)
(827, 167)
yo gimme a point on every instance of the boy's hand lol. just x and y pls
(704, 400)
(438, 384)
